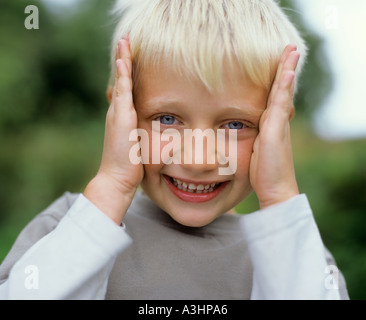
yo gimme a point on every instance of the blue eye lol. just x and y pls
(235, 125)
(166, 119)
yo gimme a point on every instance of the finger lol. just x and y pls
(282, 104)
(291, 61)
(291, 65)
(287, 80)
(117, 52)
(125, 52)
(123, 89)
(288, 63)
(282, 83)
(117, 57)
(286, 52)
(123, 81)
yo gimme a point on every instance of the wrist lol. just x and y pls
(279, 197)
(109, 197)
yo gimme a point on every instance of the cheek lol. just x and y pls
(152, 172)
(245, 150)
(152, 147)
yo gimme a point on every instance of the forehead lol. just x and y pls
(165, 83)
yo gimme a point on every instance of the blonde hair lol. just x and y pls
(196, 36)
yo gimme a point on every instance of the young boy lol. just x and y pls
(180, 66)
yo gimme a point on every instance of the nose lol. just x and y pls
(198, 151)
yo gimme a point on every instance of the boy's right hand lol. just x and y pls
(115, 184)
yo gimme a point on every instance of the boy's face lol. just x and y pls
(179, 104)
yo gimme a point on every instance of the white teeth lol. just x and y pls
(193, 188)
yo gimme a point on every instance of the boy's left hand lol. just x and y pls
(272, 173)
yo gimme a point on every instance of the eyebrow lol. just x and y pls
(246, 109)
(241, 110)
(159, 103)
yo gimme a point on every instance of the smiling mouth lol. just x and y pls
(194, 188)
(198, 192)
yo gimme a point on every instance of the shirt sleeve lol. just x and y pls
(71, 262)
(288, 256)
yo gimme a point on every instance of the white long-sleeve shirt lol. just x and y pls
(73, 251)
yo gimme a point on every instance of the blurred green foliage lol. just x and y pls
(52, 109)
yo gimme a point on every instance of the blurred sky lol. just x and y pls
(342, 25)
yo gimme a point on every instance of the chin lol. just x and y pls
(193, 219)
